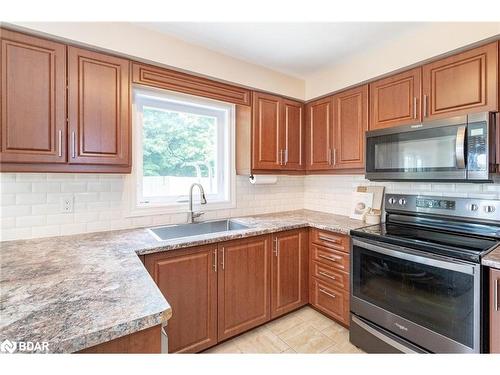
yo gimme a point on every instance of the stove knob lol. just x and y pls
(402, 201)
(392, 200)
(489, 209)
(473, 207)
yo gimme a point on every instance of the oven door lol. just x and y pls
(434, 152)
(431, 301)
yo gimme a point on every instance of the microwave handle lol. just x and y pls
(460, 146)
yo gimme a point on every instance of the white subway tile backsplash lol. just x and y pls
(31, 203)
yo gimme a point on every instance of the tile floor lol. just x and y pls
(303, 331)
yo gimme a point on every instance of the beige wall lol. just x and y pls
(133, 40)
(410, 48)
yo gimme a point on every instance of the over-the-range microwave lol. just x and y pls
(453, 149)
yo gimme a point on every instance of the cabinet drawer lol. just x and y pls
(331, 301)
(328, 274)
(332, 240)
(330, 257)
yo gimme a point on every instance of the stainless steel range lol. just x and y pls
(416, 280)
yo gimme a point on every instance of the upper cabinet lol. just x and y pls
(33, 96)
(395, 100)
(462, 83)
(336, 128)
(350, 121)
(318, 134)
(267, 150)
(293, 134)
(277, 133)
(98, 108)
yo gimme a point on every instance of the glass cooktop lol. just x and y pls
(460, 246)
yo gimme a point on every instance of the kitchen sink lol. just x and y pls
(187, 230)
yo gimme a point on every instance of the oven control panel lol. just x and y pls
(444, 204)
(483, 209)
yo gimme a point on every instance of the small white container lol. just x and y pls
(372, 219)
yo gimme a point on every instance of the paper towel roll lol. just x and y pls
(263, 179)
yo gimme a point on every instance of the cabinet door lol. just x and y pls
(293, 133)
(350, 121)
(243, 287)
(188, 280)
(494, 311)
(395, 100)
(33, 96)
(462, 83)
(319, 135)
(98, 108)
(289, 271)
(267, 150)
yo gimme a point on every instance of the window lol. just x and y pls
(180, 140)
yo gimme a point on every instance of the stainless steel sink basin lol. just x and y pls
(187, 230)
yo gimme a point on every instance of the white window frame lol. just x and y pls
(136, 208)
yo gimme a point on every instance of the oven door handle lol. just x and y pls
(414, 256)
(460, 147)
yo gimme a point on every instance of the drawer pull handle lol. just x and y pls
(325, 257)
(327, 275)
(327, 239)
(215, 261)
(328, 294)
(497, 308)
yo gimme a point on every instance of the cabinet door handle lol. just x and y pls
(59, 143)
(329, 156)
(327, 275)
(327, 239)
(334, 156)
(286, 156)
(328, 294)
(223, 258)
(325, 257)
(414, 107)
(276, 246)
(425, 105)
(73, 145)
(281, 157)
(215, 261)
(497, 308)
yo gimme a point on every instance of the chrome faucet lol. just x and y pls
(203, 200)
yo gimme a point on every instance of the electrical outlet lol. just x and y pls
(67, 205)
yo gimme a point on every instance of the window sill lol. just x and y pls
(172, 209)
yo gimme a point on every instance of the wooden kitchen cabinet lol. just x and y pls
(98, 108)
(243, 285)
(329, 274)
(494, 310)
(188, 280)
(462, 83)
(395, 100)
(147, 341)
(289, 271)
(319, 134)
(277, 133)
(33, 99)
(267, 148)
(350, 122)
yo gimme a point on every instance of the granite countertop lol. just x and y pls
(82, 290)
(492, 259)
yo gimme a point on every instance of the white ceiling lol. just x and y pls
(297, 49)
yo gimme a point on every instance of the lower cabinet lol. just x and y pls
(188, 280)
(289, 271)
(329, 274)
(494, 310)
(243, 287)
(221, 290)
